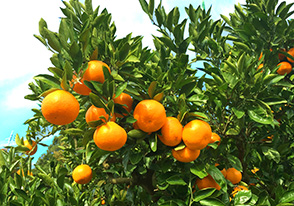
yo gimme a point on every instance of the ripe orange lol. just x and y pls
(110, 136)
(215, 137)
(22, 172)
(185, 155)
(82, 174)
(207, 182)
(234, 175)
(282, 56)
(224, 172)
(94, 114)
(150, 115)
(197, 134)
(94, 72)
(171, 132)
(237, 189)
(60, 107)
(291, 52)
(124, 99)
(80, 87)
(30, 147)
(285, 67)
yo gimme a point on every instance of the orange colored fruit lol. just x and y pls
(95, 114)
(291, 52)
(124, 99)
(150, 115)
(110, 136)
(197, 134)
(224, 172)
(94, 72)
(207, 182)
(214, 138)
(234, 175)
(285, 68)
(60, 107)
(237, 189)
(22, 172)
(260, 66)
(185, 155)
(171, 132)
(82, 174)
(27, 144)
(80, 87)
(260, 56)
(281, 56)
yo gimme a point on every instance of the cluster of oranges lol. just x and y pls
(285, 65)
(231, 174)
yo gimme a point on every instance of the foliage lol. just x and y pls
(243, 105)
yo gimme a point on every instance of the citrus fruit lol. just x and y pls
(60, 107)
(22, 172)
(27, 144)
(94, 72)
(110, 136)
(291, 52)
(171, 132)
(80, 87)
(95, 114)
(237, 189)
(282, 56)
(197, 134)
(215, 138)
(234, 175)
(82, 174)
(224, 172)
(285, 68)
(124, 99)
(185, 155)
(150, 115)
(207, 182)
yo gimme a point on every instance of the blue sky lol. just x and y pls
(23, 56)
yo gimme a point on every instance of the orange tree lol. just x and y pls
(137, 153)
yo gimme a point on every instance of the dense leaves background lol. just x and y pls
(243, 105)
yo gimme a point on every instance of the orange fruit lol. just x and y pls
(60, 107)
(224, 172)
(234, 175)
(80, 87)
(171, 132)
(103, 202)
(124, 99)
(94, 72)
(27, 144)
(281, 56)
(94, 114)
(237, 189)
(150, 115)
(260, 67)
(22, 172)
(82, 174)
(260, 56)
(214, 138)
(291, 52)
(207, 182)
(285, 67)
(185, 155)
(110, 136)
(197, 134)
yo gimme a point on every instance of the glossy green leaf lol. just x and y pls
(242, 197)
(235, 162)
(198, 170)
(176, 180)
(203, 194)
(287, 197)
(271, 153)
(212, 201)
(153, 142)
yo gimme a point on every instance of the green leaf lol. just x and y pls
(198, 170)
(218, 177)
(50, 80)
(242, 197)
(202, 194)
(53, 40)
(137, 134)
(153, 142)
(235, 162)
(239, 113)
(18, 141)
(152, 88)
(260, 112)
(151, 6)
(98, 102)
(2, 159)
(42, 25)
(144, 6)
(176, 180)
(88, 5)
(271, 153)
(135, 157)
(287, 197)
(124, 51)
(73, 131)
(212, 201)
